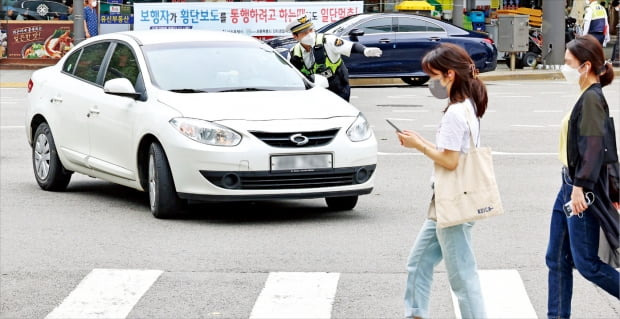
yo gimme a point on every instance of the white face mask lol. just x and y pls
(309, 39)
(617, 8)
(93, 3)
(572, 75)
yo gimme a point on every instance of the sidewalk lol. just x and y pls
(18, 78)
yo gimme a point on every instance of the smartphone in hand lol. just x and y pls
(394, 126)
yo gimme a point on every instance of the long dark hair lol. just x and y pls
(587, 48)
(448, 56)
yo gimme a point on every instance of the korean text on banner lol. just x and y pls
(250, 18)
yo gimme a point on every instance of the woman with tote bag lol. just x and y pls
(454, 76)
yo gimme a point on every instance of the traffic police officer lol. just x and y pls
(322, 54)
(595, 22)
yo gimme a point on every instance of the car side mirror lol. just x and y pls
(356, 33)
(321, 81)
(121, 87)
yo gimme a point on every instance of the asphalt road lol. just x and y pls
(214, 261)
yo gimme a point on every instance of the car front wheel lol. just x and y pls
(163, 198)
(415, 80)
(48, 169)
(341, 203)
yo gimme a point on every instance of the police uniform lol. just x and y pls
(595, 22)
(325, 57)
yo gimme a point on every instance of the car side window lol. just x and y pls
(70, 63)
(381, 25)
(90, 61)
(417, 25)
(123, 64)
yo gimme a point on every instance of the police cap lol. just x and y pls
(300, 24)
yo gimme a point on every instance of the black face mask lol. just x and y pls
(437, 90)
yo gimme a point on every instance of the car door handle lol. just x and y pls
(56, 99)
(434, 39)
(384, 41)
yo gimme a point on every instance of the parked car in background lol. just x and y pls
(404, 39)
(200, 115)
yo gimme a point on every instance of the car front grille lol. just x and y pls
(317, 138)
(290, 180)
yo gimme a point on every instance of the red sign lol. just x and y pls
(31, 39)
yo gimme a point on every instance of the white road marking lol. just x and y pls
(548, 111)
(504, 295)
(106, 293)
(353, 97)
(296, 295)
(410, 111)
(400, 119)
(404, 96)
(431, 125)
(527, 125)
(11, 127)
(7, 102)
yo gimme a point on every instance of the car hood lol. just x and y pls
(316, 103)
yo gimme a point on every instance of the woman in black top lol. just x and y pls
(574, 236)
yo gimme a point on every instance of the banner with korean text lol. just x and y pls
(250, 18)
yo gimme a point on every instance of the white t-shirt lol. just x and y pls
(453, 131)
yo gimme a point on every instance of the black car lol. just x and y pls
(404, 39)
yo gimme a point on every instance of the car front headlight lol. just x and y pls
(206, 132)
(359, 130)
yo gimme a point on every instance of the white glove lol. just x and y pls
(372, 52)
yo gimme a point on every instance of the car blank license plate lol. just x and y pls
(301, 162)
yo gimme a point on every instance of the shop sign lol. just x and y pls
(31, 40)
(250, 18)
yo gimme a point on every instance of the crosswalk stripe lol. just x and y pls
(106, 293)
(296, 295)
(504, 295)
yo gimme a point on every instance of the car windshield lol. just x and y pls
(220, 67)
(341, 25)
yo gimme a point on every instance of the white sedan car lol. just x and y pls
(196, 115)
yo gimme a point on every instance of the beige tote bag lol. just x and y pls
(469, 192)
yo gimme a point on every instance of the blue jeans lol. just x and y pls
(573, 241)
(453, 244)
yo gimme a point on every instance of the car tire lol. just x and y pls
(529, 59)
(163, 199)
(48, 170)
(341, 203)
(415, 80)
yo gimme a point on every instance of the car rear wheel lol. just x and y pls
(415, 80)
(163, 198)
(341, 203)
(48, 169)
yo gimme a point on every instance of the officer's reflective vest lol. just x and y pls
(597, 22)
(322, 63)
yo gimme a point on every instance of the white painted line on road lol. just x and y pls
(353, 97)
(548, 111)
(517, 96)
(404, 96)
(106, 293)
(296, 295)
(504, 295)
(410, 111)
(431, 125)
(400, 119)
(527, 125)
(11, 127)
